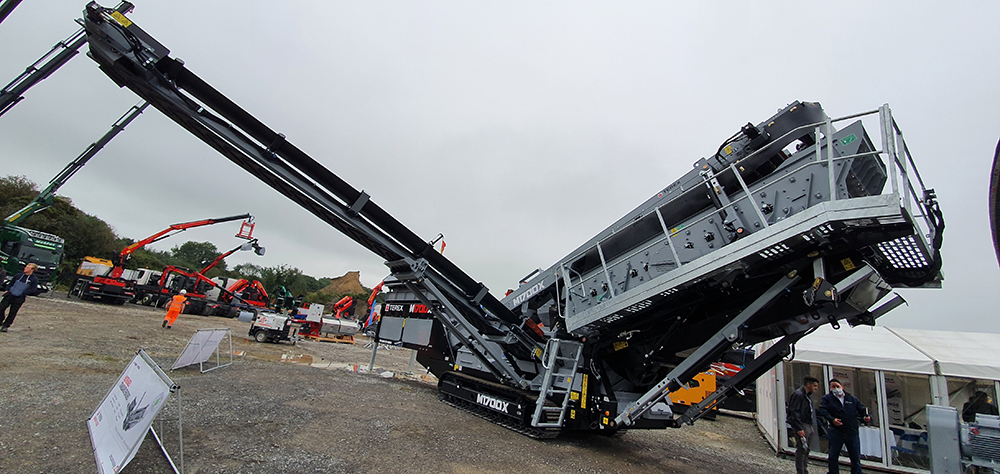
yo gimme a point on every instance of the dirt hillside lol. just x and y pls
(349, 284)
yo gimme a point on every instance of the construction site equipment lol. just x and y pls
(315, 326)
(956, 446)
(272, 327)
(172, 280)
(20, 246)
(207, 296)
(112, 287)
(344, 307)
(787, 227)
(373, 313)
(219, 296)
(232, 295)
(284, 301)
(253, 244)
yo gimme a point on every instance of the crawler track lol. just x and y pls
(521, 426)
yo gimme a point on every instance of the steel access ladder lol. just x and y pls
(560, 361)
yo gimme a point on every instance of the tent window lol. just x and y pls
(971, 396)
(906, 398)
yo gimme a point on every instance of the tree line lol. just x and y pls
(87, 235)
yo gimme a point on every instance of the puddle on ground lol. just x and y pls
(305, 359)
(287, 358)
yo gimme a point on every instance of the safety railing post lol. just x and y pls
(568, 288)
(670, 240)
(829, 159)
(607, 275)
(889, 145)
(903, 175)
(750, 198)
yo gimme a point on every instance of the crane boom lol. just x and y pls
(46, 197)
(6, 7)
(118, 290)
(60, 54)
(173, 229)
(245, 246)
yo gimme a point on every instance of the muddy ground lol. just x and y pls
(285, 408)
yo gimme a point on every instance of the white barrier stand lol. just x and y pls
(201, 346)
(119, 424)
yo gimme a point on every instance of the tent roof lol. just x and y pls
(958, 354)
(862, 347)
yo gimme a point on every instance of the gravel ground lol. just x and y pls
(285, 408)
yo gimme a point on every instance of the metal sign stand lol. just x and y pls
(180, 435)
(111, 430)
(218, 364)
(199, 349)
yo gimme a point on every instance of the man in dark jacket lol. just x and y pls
(979, 403)
(23, 284)
(843, 412)
(800, 419)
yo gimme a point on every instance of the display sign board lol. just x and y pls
(414, 331)
(417, 331)
(120, 422)
(391, 329)
(201, 346)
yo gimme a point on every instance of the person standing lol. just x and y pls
(843, 412)
(800, 419)
(23, 284)
(174, 308)
(979, 403)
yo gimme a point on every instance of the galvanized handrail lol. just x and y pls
(746, 196)
(896, 171)
(797, 129)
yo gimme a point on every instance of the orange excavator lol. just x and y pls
(207, 296)
(343, 307)
(115, 289)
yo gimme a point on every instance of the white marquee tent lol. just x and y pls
(895, 372)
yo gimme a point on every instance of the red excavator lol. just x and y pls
(115, 289)
(372, 318)
(207, 296)
(315, 326)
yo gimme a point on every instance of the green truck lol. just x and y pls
(20, 246)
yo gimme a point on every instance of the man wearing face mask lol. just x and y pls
(843, 412)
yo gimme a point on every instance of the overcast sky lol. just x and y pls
(517, 129)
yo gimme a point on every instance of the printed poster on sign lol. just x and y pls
(894, 400)
(120, 422)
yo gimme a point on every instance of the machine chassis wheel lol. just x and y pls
(261, 336)
(147, 300)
